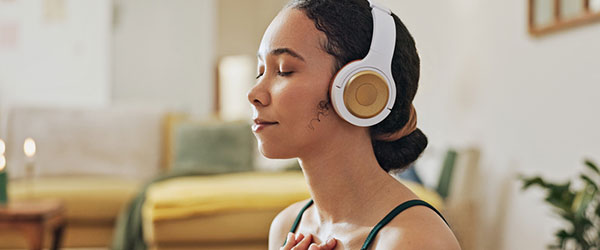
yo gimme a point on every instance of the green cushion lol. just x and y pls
(214, 148)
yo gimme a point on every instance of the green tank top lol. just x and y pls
(382, 223)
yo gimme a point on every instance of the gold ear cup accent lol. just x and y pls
(366, 94)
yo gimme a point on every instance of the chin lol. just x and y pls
(275, 151)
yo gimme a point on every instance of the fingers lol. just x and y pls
(303, 244)
(299, 237)
(330, 244)
(289, 242)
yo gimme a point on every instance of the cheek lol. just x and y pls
(299, 101)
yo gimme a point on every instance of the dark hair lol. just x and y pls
(348, 25)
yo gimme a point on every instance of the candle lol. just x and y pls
(3, 178)
(29, 147)
(29, 150)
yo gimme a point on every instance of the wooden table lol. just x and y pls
(33, 218)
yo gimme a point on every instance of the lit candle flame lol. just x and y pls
(2, 147)
(2, 162)
(29, 147)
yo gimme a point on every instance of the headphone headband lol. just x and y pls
(363, 92)
(383, 41)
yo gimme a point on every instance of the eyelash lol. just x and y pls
(283, 74)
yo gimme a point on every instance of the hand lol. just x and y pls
(301, 242)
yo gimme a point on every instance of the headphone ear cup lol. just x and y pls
(366, 94)
(363, 92)
(360, 94)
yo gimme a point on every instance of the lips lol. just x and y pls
(260, 124)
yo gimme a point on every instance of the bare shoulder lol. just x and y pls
(416, 228)
(282, 224)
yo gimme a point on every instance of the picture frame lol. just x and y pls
(550, 16)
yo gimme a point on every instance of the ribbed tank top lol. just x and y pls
(382, 223)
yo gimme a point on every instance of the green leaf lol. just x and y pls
(589, 181)
(591, 165)
(580, 206)
(562, 234)
(568, 216)
(560, 196)
(528, 182)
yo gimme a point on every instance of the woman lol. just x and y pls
(346, 166)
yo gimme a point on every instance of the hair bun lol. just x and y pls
(399, 154)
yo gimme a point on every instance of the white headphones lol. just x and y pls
(363, 91)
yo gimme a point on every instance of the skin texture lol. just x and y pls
(352, 193)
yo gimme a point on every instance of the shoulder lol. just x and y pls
(416, 228)
(282, 224)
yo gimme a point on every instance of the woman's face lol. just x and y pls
(291, 112)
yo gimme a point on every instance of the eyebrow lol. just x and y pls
(280, 51)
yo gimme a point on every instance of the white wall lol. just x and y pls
(530, 104)
(164, 54)
(241, 24)
(54, 53)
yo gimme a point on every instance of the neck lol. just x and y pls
(347, 175)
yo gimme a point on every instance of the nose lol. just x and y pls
(259, 96)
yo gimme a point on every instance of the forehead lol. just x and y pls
(292, 29)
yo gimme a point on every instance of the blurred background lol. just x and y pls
(122, 87)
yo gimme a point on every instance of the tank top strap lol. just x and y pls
(298, 218)
(392, 214)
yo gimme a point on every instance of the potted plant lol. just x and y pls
(579, 207)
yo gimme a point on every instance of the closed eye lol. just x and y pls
(284, 74)
(279, 73)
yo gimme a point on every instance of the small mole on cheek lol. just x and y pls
(322, 111)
